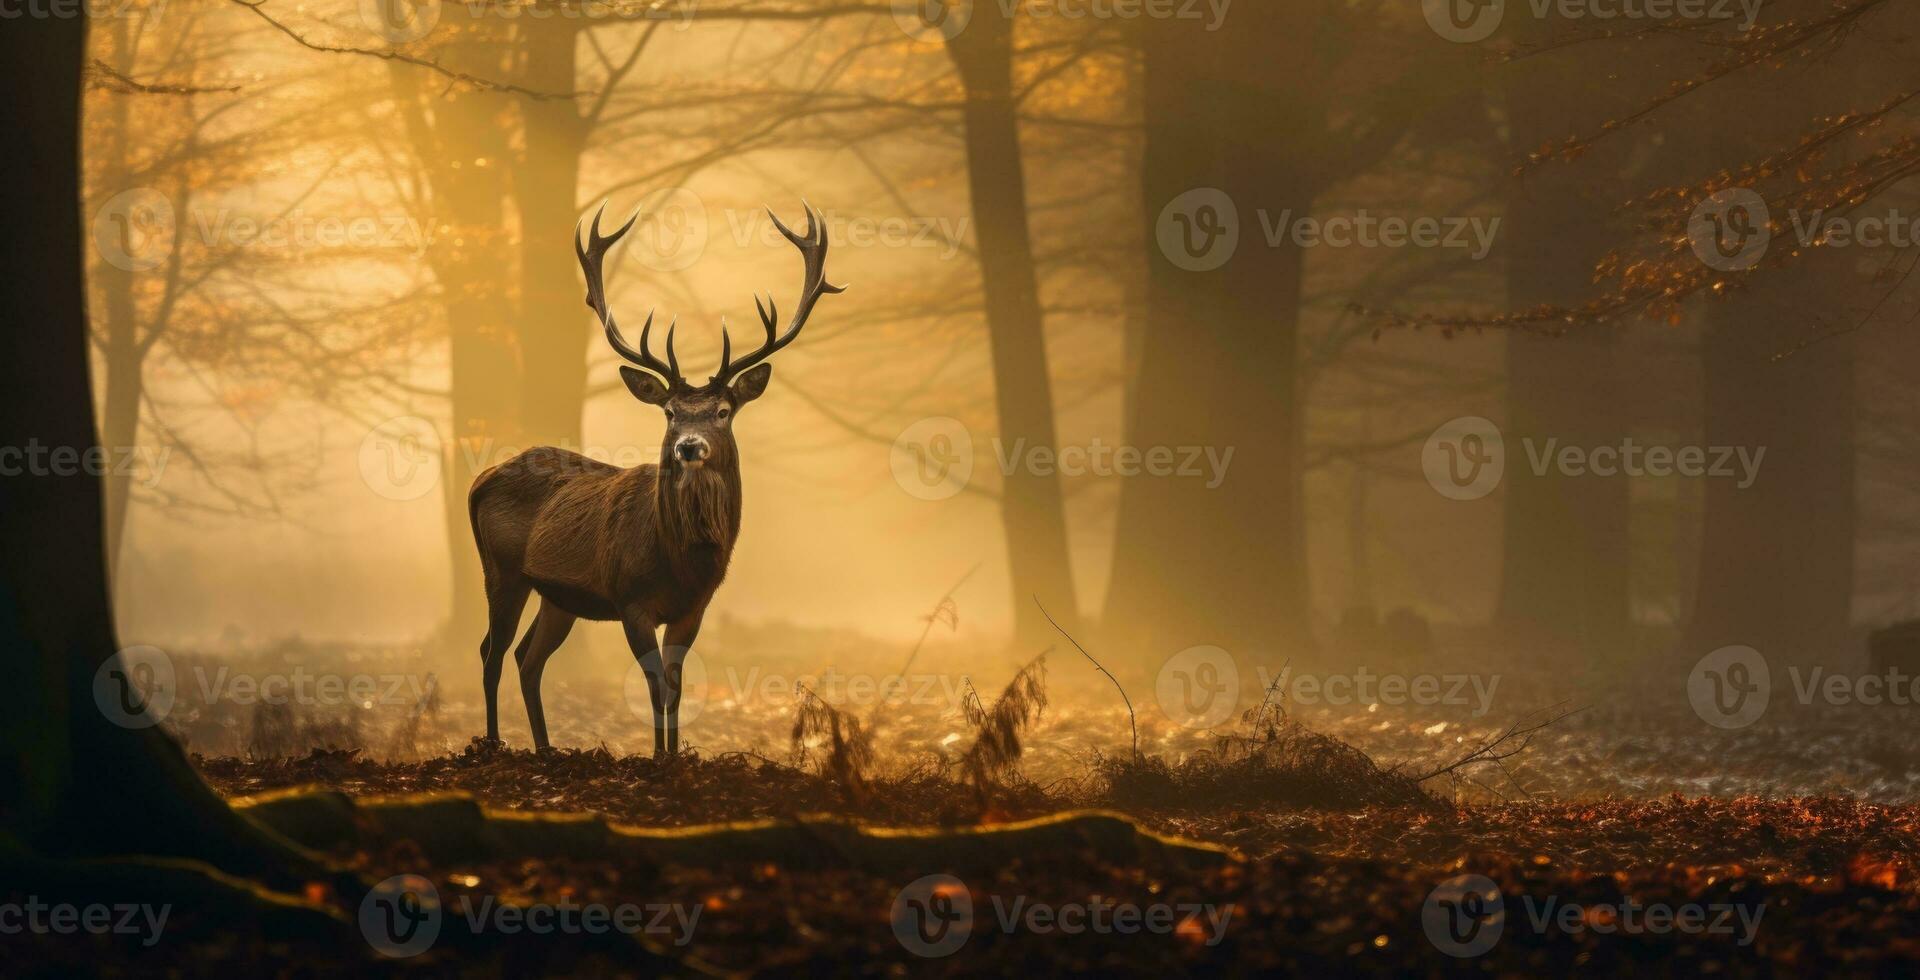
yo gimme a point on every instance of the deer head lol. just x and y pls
(700, 419)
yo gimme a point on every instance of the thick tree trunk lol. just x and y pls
(74, 782)
(461, 141)
(1222, 565)
(125, 377)
(553, 325)
(1567, 558)
(1033, 509)
(1776, 557)
(120, 417)
(1776, 562)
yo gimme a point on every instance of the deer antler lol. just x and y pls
(592, 254)
(813, 250)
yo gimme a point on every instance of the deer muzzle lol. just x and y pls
(692, 451)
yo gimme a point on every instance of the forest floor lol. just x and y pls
(1624, 836)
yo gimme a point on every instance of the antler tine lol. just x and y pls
(592, 254)
(769, 314)
(813, 254)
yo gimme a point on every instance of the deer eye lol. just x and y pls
(726, 412)
(669, 414)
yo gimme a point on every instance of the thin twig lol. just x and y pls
(1132, 721)
(407, 59)
(1490, 750)
(932, 617)
(100, 75)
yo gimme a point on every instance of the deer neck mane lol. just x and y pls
(698, 507)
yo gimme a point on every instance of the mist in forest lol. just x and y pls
(1198, 340)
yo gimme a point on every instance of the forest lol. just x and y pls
(1158, 487)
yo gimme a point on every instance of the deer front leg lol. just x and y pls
(680, 636)
(646, 652)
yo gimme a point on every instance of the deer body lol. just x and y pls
(646, 546)
(594, 539)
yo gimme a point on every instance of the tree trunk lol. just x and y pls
(1776, 562)
(553, 325)
(123, 358)
(74, 782)
(1567, 560)
(1776, 557)
(461, 142)
(1033, 510)
(1220, 565)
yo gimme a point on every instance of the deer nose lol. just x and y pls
(690, 449)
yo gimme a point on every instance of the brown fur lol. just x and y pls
(646, 546)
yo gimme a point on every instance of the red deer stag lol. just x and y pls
(645, 546)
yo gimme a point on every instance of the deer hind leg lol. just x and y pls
(550, 628)
(505, 603)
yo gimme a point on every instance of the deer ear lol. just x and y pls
(644, 386)
(752, 384)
